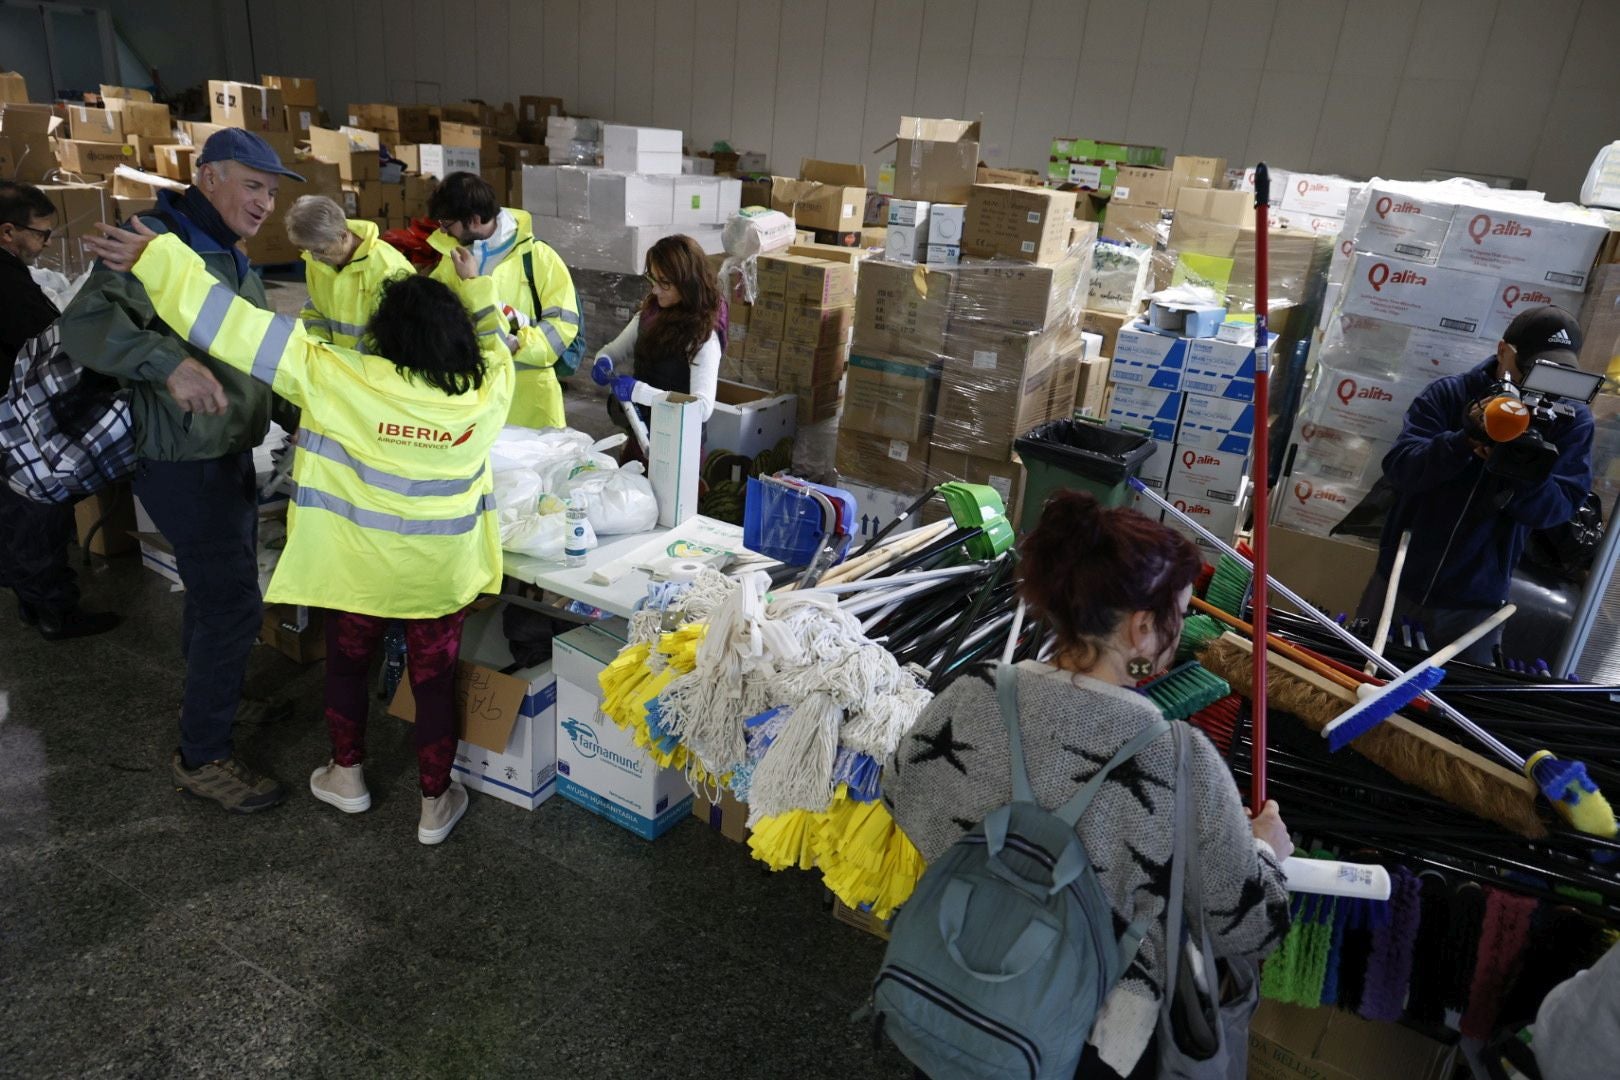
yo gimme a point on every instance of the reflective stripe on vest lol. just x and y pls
(211, 317)
(553, 338)
(267, 357)
(564, 314)
(332, 450)
(482, 313)
(316, 499)
(335, 326)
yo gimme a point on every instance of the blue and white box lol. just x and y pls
(599, 765)
(1216, 423)
(1219, 369)
(1155, 411)
(1145, 359)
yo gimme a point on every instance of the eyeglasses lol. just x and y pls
(44, 234)
(658, 282)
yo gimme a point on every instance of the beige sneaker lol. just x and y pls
(439, 815)
(342, 786)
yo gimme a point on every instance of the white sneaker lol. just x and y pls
(341, 786)
(440, 814)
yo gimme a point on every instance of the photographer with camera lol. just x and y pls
(1483, 459)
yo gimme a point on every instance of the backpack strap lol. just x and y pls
(1071, 811)
(1007, 697)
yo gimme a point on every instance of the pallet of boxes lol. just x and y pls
(958, 352)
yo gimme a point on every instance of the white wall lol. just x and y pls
(1359, 87)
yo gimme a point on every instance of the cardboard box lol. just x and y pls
(78, 208)
(936, 160)
(1157, 412)
(370, 200)
(1107, 325)
(828, 195)
(1019, 297)
(599, 766)
(1207, 474)
(125, 207)
(641, 149)
(862, 919)
(436, 160)
(1205, 172)
(13, 87)
(902, 310)
(1219, 516)
(620, 199)
(1021, 177)
(893, 463)
(980, 413)
(1512, 297)
(1522, 245)
(726, 816)
(149, 121)
(771, 273)
(1091, 387)
(890, 397)
(472, 137)
(1003, 475)
(414, 123)
(538, 110)
(93, 159)
(356, 153)
(246, 105)
(747, 421)
(295, 89)
(300, 118)
(113, 508)
(1208, 221)
(906, 243)
(1219, 369)
(1028, 224)
(1145, 359)
(1287, 1042)
(1314, 505)
(1600, 321)
(1417, 295)
(298, 633)
(821, 283)
(1328, 572)
(674, 457)
(1126, 224)
(89, 124)
(1310, 195)
(1212, 423)
(829, 252)
(1405, 221)
(815, 326)
(1139, 185)
(145, 152)
(1369, 406)
(415, 191)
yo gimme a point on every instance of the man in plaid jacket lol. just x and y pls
(34, 536)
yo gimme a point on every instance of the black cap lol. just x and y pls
(1544, 333)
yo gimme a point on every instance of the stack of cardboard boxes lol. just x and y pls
(796, 334)
(1093, 164)
(828, 198)
(607, 218)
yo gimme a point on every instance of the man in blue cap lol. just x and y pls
(196, 424)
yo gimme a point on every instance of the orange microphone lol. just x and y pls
(1506, 418)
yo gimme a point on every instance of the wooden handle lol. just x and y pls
(1280, 647)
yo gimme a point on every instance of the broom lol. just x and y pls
(1565, 784)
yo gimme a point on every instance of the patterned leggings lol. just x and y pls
(432, 647)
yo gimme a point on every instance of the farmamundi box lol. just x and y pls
(599, 765)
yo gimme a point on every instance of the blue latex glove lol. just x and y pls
(623, 387)
(602, 370)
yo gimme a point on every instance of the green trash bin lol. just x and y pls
(1079, 455)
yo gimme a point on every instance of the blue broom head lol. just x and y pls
(1373, 710)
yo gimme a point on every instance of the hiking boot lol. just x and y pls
(342, 786)
(440, 814)
(230, 783)
(77, 623)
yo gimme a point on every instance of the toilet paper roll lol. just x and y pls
(682, 570)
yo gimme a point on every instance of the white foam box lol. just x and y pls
(1155, 411)
(675, 456)
(1313, 505)
(641, 149)
(1405, 223)
(627, 199)
(440, 161)
(906, 243)
(540, 189)
(574, 192)
(1221, 517)
(1219, 369)
(705, 200)
(911, 212)
(599, 765)
(1369, 406)
(524, 772)
(1522, 245)
(1212, 423)
(1512, 297)
(1308, 195)
(697, 166)
(1148, 360)
(945, 223)
(1413, 294)
(1207, 474)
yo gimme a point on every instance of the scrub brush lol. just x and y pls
(1229, 586)
(1184, 690)
(1196, 632)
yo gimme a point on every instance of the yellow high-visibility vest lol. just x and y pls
(538, 401)
(341, 301)
(394, 515)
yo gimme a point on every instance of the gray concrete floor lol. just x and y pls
(146, 935)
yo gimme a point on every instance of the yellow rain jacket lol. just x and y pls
(394, 515)
(531, 279)
(341, 301)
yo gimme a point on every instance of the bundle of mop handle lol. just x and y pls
(1565, 784)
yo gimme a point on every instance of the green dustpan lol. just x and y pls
(978, 506)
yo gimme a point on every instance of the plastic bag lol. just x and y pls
(526, 448)
(539, 532)
(624, 504)
(563, 475)
(517, 490)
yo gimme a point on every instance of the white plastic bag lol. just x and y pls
(624, 504)
(539, 532)
(527, 448)
(563, 475)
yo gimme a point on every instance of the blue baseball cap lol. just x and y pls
(239, 145)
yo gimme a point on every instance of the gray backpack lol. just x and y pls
(1000, 961)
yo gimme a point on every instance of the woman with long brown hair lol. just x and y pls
(673, 344)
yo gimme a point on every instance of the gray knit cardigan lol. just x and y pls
(953, 769)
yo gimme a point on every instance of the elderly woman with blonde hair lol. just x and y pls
(346, 264)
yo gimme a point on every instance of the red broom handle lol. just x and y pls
(1262, 528)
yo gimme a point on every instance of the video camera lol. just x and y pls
(1517, 418)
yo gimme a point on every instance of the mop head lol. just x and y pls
(1431, 764)
(1572, 793)
(1381, 704)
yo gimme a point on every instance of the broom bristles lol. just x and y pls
(1455, 775)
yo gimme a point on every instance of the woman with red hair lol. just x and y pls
(1112, 586)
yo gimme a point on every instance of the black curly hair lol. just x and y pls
(421, 325)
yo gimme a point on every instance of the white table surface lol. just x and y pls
(575, 582)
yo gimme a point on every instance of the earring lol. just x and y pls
(1139, 667)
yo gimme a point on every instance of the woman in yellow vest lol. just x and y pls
(394, 516)
(346, 265)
